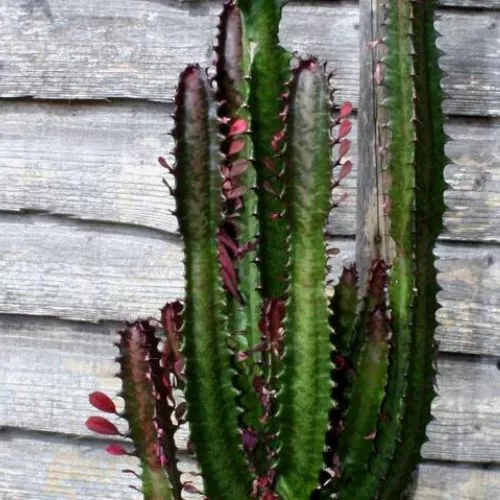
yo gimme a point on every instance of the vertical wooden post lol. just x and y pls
(372, 224)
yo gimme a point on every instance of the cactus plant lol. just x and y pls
(268, 384)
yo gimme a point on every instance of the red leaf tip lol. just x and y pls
(100, 425)
(116, 449)
(102, 402)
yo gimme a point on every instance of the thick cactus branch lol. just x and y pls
(212, 410)
(269, 72)
(305, 395)
(135, 345)
(430, 161)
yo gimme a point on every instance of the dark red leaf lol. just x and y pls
(116, 449)
(345, 170)
(236, 147)
(277, 140)
(345, 128)
(237, 168)
(102, 402)
(101, 426)
(345, 110)
(240, 126)
(189, 487)
(237, 192)
(345, 145)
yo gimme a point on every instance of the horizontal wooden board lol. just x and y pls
(136, 48)
(52, 267)
(91, 272)
(99, 162)
(60, 468)
(475, 4)
(45, 467)
(49, 368)
(438, 481)
(470, 280)
(473, 199)
(467, 412)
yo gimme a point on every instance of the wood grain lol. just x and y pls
(50, 267)
(59, 468)
(473, 199)
(457, 482)
(136, 48)
(95, 272)
(99, 162)
(63, 468)
(475, 4)
(50, 367)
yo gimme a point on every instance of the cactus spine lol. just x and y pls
(258, 151)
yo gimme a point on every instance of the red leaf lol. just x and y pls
(236, 146)
(237, 168)
(101, 426)
(240, 126)
(116, 449)
(276, 142)
(345, 128)
(191, 488)
(345, 145)
(102, 402)
(165, 164)
(345, 170)
(345, 110)
(237, 192)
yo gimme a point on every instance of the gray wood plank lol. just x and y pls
(457, 482)
(475, 4)
(59, 468)
(98, 162)
(45, 467)
(470, 314)
(52, 267)
(467, 417)
(92, 272)
(471, 41)
(136, 48)
(473, 199)
(49, 368)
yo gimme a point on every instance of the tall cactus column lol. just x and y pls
(400, 210)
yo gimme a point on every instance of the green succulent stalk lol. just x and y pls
(269, 385)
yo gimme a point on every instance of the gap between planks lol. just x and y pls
(119, 49)
(51, 366)
(99, 162)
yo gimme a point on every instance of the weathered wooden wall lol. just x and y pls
(86, 239)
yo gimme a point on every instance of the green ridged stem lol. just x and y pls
(234, 62)
(233, 70)
(304, 400)
(430, 161)
(137, 393)
(269, 72)
(400, 88)
(412, 64)
(344, 305)
(368, 388)
(211, 398)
